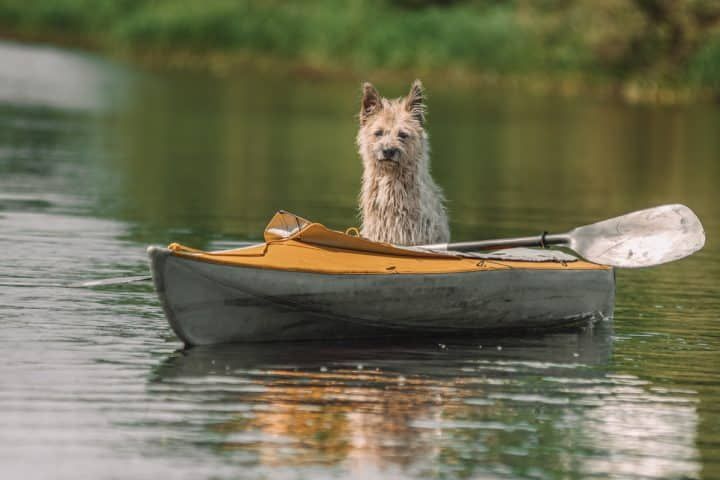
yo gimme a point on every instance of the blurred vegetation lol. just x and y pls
(672, 43)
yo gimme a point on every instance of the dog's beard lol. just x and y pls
(388, 166)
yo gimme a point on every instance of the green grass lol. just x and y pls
(365, 34)
(704, 68)
(623, 40)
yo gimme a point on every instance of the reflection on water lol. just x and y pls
(97, 161)
(435, 409)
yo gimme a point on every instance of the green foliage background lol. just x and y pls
(671, 42)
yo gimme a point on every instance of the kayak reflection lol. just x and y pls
(429, 403)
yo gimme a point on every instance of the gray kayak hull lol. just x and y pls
(210, 303)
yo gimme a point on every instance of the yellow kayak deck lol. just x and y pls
(311, 247)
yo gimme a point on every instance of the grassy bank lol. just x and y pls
(636, 44)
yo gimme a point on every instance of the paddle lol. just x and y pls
(104, 282)
(638, 239)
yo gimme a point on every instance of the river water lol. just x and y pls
(99, 159)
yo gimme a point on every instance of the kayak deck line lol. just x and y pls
(296, 256)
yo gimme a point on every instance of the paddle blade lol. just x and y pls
(641, 239)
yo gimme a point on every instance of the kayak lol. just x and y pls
(307, 282)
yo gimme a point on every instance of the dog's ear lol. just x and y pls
(370, 104)
(415, 101)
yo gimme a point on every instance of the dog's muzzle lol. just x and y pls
(390, 154)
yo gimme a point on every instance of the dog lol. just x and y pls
(399, 201)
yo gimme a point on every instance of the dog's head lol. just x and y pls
(392, 133)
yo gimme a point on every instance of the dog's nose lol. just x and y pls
(390, 152)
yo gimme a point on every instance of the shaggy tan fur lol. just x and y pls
(399, 201)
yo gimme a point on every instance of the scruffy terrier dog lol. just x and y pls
(399, 201)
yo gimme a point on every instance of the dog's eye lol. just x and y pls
(379, 133)
(402, 135)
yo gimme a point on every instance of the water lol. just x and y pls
(98, 159)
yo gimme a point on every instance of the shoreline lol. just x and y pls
(230, 63)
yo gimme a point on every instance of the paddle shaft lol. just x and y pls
(543, 240)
